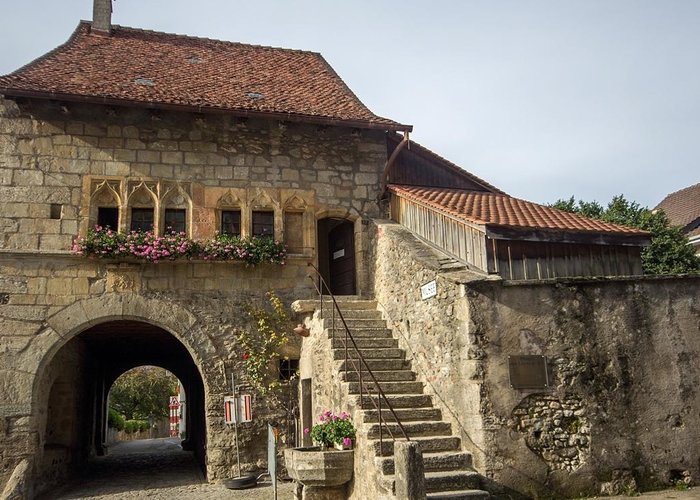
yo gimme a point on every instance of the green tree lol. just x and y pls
(142, 392)
(669, 252)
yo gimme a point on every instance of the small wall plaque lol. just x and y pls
(528, 372)
(428, 290)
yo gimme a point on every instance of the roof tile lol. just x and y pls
(495, 209)
(683, 207)
(155, 68)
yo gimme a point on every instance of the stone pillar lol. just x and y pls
(409, 473)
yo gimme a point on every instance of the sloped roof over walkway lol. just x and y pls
(496, 210)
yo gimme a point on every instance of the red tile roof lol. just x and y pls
(683, 208)
(139, 67)
(494, 209)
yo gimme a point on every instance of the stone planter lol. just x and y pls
(322, 474)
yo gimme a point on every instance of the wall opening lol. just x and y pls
(77, 383)
(336, 255)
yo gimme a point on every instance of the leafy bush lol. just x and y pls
(115, 420)
(132, 426)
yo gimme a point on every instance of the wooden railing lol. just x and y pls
(463, 241)
(359, 364)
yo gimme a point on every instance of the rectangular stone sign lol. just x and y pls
(528, 372)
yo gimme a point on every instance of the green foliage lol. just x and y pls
(105, 243)
(681, 485)
(669, 252)
(133, 426)
(262, 342)
(143, 392)
(115, 420)
(333, 429)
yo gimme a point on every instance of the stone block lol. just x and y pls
(114, 131)
(130, 132)
(164, 171)
(148, 156)
(28, 178)
(172, 157)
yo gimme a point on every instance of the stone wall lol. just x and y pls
(60, 161)
(623, 360)
(201, 304)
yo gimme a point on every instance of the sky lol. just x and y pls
(544, 99)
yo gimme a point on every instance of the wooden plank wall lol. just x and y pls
(464, 242)
(519, 260)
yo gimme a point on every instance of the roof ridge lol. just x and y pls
(674, 193)
(207, 39)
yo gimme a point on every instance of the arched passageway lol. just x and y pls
(77, 383)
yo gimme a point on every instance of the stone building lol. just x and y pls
(135, 129)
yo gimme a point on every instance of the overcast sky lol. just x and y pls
(544, 99)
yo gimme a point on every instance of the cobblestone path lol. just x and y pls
(155, 469)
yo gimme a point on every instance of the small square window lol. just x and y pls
(175, 220)
(231, 222)
(108, 217)
(264, 224)
(142, 219)
(289, 368)
(55, 211)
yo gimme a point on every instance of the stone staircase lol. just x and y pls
(448, 469)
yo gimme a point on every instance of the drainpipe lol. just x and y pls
(404, 143)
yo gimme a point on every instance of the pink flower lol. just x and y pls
(307, 430)
(347, 441)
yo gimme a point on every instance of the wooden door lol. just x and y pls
(341, 246)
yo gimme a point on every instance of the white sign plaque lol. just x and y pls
(428, 290)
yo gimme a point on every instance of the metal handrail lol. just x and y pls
(348, 336)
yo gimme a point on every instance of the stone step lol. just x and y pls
(443, 481)
(374, 364)
(379, 333)
(354, 324)
(345, 302)
(389, 387)
(404, 414)
(413, 429)
(364, 343)
(369, 353)
(432, 462)
(351, 314)
(397, 401)
(383, 375)
(460, 495)
(431, 444)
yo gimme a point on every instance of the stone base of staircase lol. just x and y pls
(448, 469)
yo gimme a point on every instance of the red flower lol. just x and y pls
(246, 356)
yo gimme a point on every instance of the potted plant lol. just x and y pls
(324, 470)
(333, 431)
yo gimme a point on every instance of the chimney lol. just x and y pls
(102, 16)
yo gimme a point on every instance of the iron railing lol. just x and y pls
(358, 363)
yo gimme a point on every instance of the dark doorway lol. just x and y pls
(336, 254)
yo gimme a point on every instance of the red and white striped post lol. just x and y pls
(174, 416)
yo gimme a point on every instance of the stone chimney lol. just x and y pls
(102, 16)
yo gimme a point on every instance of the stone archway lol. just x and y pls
(87, 345)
